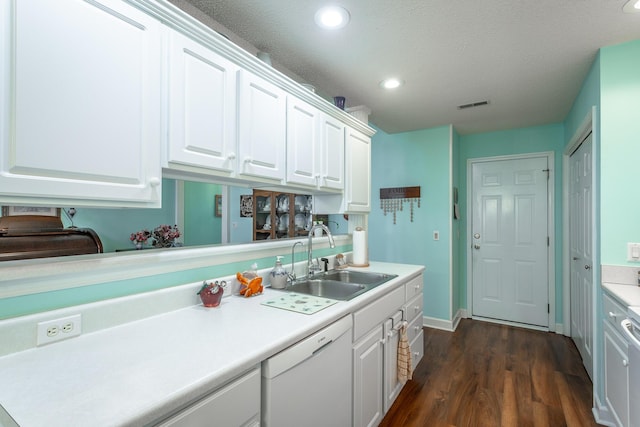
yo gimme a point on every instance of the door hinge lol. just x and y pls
(548, 241)
(548, 309)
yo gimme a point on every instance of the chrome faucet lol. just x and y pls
(310, 266)
(292, 275)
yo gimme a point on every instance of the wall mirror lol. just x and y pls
(205, 213)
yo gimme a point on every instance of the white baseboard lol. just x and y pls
(602, 415)
(445, 325)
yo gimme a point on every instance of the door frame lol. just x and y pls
(587, 126)
(551, 283)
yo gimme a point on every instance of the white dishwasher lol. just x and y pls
(309, 384)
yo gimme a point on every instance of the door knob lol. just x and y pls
(476, 246)
(587, 267)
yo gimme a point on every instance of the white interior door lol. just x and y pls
(509, 240)
(580, 222)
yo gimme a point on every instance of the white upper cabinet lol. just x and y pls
(201, 107)
(331, 153)
(315, 147)
(262, 117)
(80, 86)
(303, 143)
(357, 193)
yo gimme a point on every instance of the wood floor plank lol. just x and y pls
(486, 374)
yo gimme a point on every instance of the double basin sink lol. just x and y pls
(341, 285)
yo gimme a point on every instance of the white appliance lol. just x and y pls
(309, 384)
(631, 327)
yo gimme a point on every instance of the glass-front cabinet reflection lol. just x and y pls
(280, 215)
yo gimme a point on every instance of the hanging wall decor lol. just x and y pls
(393, 200)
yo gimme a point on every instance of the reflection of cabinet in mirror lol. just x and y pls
(279, 215)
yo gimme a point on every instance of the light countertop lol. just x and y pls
(135, 373)
(629, 295)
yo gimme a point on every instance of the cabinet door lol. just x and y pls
(368, 356)
(261, 128)
(331, 153)
(392, 386)
(616, 375)
(358, 172)
(303, 138)
(80, 83)
(202, 108)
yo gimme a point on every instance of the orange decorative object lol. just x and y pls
(249, 287)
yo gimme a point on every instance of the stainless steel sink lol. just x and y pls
(341, 285)
(359, 277)
(326, 288)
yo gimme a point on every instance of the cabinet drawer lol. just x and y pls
(414, 328)
(613, 312)
(413, 287)
(236, 404)
(413, 308)
(417, 349)
(376, 312)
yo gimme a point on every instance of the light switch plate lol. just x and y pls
(633, 252)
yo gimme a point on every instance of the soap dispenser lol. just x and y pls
(278, 276)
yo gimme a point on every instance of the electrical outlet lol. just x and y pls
(59, 329)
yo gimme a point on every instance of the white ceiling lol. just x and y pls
(527, 58)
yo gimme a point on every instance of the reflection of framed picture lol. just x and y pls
(246, 206)
(30, 210)
(218, 207)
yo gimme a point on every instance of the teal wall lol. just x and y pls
(511, 142)
(619, 151)
(421, 158)
(201, 226)
(115, 225)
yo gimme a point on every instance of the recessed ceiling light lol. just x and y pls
(632, 6)
(332, 17)
(391, 83)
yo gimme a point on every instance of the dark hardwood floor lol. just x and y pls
(485, 374)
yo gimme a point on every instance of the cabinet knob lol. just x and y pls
(417, 287)
(154, 182)
(248, 159)
(416, 353)
(612, 315)
(625, 362)
(231, 156)
(416, 328)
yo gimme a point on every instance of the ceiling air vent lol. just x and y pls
(473, 104)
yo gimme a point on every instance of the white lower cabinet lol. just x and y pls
(236, 404)
(616, 362)
(368, 359)
(376, 337)
(80, 83)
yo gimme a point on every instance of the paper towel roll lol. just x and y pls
(360, 250)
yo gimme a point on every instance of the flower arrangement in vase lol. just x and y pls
(139, 238)
(165, 235)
